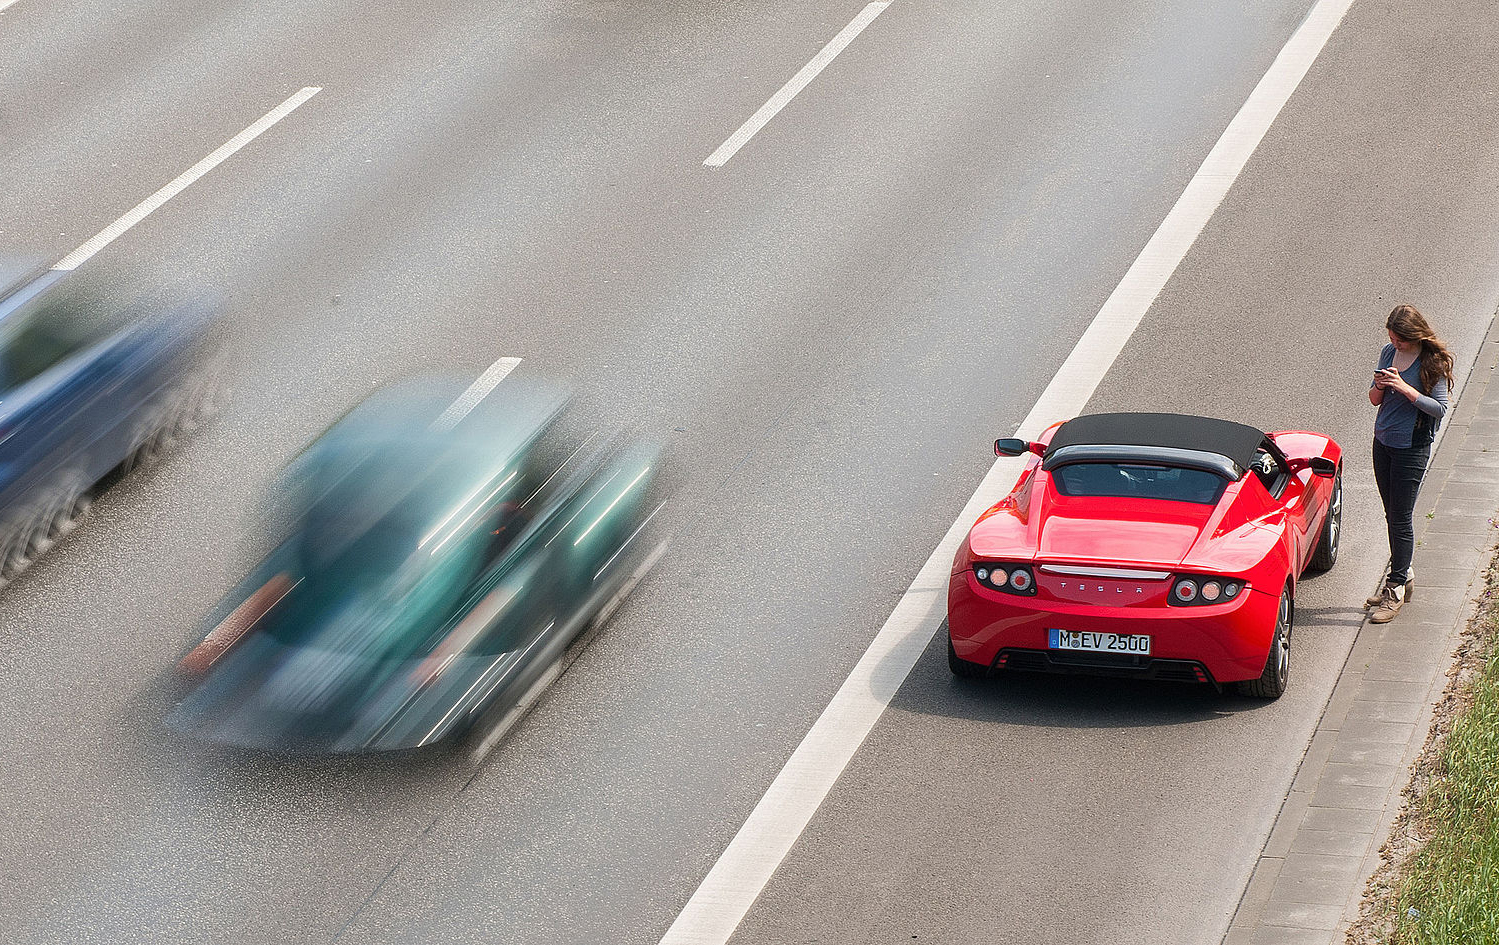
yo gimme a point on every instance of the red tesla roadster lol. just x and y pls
(1151, 545)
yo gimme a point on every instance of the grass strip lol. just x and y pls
(1450, 893)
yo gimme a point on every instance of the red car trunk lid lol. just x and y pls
(1115, 531)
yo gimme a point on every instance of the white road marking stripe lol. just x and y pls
(476, 392)
(112, 232)
(7, 4)
(796, 84)
(736, 880)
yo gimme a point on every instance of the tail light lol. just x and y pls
(1190, 590)
(233, 628)
(1010, 578)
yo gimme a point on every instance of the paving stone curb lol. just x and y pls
(1308, 883)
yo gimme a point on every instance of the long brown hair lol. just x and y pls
(1410, 326)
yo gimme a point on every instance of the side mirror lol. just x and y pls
(1011, 447)
(1323, 467)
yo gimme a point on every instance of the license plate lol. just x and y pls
(1136, 643)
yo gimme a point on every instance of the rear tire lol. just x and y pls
(961, 667)
(69, 503)
(15, 546)
(27, 538)
(1326, 554)
(152, 439)
(1277, 672)
(199, 402)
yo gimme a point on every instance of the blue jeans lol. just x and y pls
(1398, 473)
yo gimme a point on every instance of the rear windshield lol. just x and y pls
(1138, 481)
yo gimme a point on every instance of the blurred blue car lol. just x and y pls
(88, 386)
(437, 559)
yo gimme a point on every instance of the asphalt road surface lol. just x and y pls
(825, 333)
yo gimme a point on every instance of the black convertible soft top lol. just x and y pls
(1172, 431)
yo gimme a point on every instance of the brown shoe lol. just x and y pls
(1392, 598)
(1378, 596)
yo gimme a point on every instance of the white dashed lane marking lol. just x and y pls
(184, 180)
(797, 82)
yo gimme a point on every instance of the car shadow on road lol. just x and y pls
(1335, 616)
(252, 777)
(1059, 701)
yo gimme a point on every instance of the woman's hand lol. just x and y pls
(1393, 381)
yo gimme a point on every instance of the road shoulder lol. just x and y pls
(1308, 881)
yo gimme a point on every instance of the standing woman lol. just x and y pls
(1411, 389)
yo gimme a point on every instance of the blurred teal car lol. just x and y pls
(435, 569)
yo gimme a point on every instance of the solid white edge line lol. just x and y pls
(143, 209)
(793, 86)
(476, 392)
(736, 880)
(7, 4)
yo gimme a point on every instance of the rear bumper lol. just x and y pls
(1228, 642)
(1103, 664)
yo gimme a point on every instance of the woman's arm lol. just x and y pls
(1378, 386)
(1433, 405)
